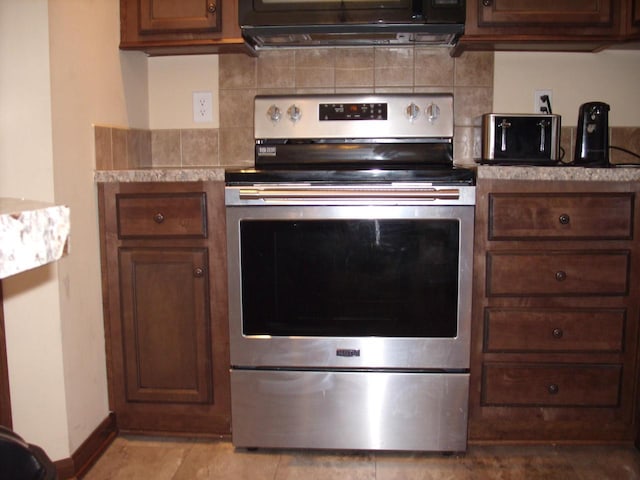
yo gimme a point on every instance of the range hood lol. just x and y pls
(350, 35)
(269, 24)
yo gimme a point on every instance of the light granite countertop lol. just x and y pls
(614, 174)
(488, 172)
(31, 234)
(176, 174)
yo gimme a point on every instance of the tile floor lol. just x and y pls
(143, 458)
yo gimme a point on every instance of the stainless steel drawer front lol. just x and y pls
(350, 410)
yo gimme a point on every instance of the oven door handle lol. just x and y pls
(349, 193)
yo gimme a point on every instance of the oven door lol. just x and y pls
(350, 286)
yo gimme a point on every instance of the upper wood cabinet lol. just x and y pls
(551, 25)
(168, 27)
(529, 14)
(166, 16)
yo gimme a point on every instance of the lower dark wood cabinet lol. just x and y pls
(554, 349)
(164, 277)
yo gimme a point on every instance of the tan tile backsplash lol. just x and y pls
(324, 70)
(123, 149)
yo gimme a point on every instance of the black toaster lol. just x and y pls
(520, 139)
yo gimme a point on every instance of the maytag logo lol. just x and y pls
(347, 352)
(267, 151)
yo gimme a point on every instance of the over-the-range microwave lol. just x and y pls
(300, 23)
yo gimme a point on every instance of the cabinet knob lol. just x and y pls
(561, 276)
(486, 3)
(211, 7)
(564, 219)
(557, 333)
(158, 217)
(198, 272)
(553, 389)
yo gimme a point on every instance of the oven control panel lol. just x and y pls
(329, 112)
(353, 116)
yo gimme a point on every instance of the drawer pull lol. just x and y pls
(564, 219)
(553, 389)
(198, 272)
(561, 276)
(557, 333)
(158, 217)
(211, 8)
(486, 3)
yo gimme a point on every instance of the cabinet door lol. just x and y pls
(165, 325)
(161, 16)
(544, 12)
(541, 25)
(172, 27)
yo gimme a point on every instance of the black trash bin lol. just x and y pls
(22, 461)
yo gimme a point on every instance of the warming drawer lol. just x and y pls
(349, 410)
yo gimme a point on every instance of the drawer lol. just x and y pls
(162, 215)
(550, 385)
(554, 330)
(561, 216)
(557, 273)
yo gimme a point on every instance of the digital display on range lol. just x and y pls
(352, 111)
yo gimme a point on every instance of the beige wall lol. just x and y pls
(32, 307)
(172, 81)
(575, 78)
(67, 74)
(86, 84)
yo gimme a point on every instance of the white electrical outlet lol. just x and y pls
(539, 106)
(202, 107)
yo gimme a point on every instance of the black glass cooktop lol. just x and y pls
(445, 175)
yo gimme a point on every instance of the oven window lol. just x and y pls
(391, 278)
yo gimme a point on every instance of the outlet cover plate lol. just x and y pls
(202, 107)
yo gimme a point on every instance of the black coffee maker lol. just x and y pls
(592, 137)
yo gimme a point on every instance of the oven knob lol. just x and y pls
(274, 113)
(432, 112)
(294, 113)
(412, 112)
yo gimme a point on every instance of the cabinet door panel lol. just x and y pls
(159, 16)
(166, 329)
(545, 12)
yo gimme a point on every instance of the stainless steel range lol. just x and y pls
(350, 264)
